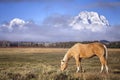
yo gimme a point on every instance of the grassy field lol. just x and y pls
(44, 64)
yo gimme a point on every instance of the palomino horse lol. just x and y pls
(79, 51)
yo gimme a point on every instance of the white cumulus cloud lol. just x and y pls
(89, 21)
(14, 24)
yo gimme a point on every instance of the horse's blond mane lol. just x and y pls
(67, 56)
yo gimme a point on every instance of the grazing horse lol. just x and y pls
(79, 51)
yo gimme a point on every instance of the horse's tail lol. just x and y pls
(105, 52)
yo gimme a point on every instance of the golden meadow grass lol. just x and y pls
(44, 64)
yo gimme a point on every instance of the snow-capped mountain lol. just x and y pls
(89, 20)
(14, 24)
(17, 21)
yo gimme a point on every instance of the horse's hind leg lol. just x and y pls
(103, 63)
(102, 66)
(106, 68)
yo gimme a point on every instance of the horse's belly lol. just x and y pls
(86, 55)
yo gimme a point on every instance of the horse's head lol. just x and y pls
(63, 65)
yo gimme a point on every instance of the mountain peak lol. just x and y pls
(87, 20)
(17, 21)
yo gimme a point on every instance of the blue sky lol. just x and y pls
(47, 14)
(38, 10)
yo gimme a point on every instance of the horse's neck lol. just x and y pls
(67, 57)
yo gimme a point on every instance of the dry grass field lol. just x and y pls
(44, 64)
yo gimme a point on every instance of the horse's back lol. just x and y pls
(87, 50)
(88, 45)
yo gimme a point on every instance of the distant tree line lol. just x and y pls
(5, 44)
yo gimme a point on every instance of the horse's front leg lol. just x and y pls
(78, 64)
